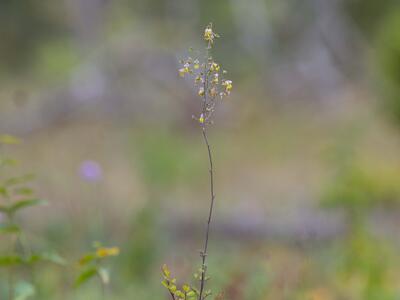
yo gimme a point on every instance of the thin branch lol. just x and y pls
(212, 196)
(170, 292)
(172, 295)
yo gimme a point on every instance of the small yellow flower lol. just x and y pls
(209, 35)
(228, 86)
(104, 252)
(201, 119)
(214, 67)
(183, 71)
(201, 92)
(196, 64)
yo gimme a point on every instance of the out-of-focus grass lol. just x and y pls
(269, 170)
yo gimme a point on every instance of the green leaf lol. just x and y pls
(165, 283)
(45, 257)
(9, 229)
(179, 294)
(195, 290)
(13, 208)
(172, 288)
(34, 258)
(87, 258)
(9, 139)
(54, 258)
(24, 290)
(11, 260)
(3, 191)
(166, 271)
(8, 162)
(191, 294)
(85, 276)
(19, 179)
(23, 191)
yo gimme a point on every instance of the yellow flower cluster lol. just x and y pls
(104, 252)
(209, 34)
(184, 70)
(228, 86)
(208, 78)
(214, 67)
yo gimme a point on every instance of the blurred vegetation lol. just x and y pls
(308, 165)
(24, 27)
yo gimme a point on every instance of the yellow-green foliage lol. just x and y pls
(16, 195)
(92, 264)
(185, 292)
(359, 187)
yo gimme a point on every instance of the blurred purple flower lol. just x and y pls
(90, 170)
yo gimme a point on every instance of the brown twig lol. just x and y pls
(212, 195)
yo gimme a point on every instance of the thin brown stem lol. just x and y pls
(205, 82)
(212, 196)
(172, 295)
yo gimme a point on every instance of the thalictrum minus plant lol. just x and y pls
(209, 79)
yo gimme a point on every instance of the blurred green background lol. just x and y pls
(307, 149)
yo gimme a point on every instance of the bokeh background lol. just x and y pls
(307, 149)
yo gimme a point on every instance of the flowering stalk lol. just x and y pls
(211, 86)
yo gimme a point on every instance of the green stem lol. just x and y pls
(10, 283)
(11, 269)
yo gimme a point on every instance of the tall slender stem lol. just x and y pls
(212, 196)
